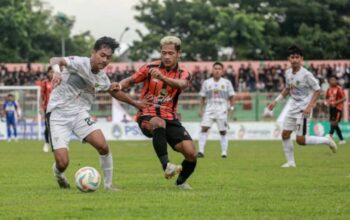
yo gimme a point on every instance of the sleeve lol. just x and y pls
(327, 94)
(141, 75)
(231, 91)
(341, 93)
(103, 83)
(312, 82)
(186, 76)
(78, 65)
(202, 92)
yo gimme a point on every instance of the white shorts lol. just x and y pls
(299, 125)
(62, 125)
(207, 121)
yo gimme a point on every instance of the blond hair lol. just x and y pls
(171, 40)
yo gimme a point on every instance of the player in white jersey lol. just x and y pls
(70, 103)
(304, 91)
(216, 92)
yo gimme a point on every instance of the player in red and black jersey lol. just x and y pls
(163, 82)
(46, 88)
(335, 98)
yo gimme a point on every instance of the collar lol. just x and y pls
(176, 68)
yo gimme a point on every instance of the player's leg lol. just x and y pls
(202, 141)
(87, 131)
(222, 126)
(59, 134)
(289, 126)
(205, 126)
(98, 141)
(304, 139)
(8, 126)
(154, 127)
(14, 126)
(46, 135)
(335, 125)
(180, 140)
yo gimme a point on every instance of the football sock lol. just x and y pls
(106, 162)
(288, 150)
(160, 146)
(331, 132)
(202, 140)
(56, 172)
(339, 133)
(15, 131)
(313, 140)
(224, 144)
(187, 169)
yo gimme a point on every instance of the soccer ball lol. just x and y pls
(87, 179)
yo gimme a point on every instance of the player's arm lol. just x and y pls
(127, 83)
(201, 104)
(174, 83)
(314, 85)
(121, 96)
(279, 98)
(56, 63)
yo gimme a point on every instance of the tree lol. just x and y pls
(33, 34)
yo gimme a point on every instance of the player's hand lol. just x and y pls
(307, 111)
(144, 103)
(56, 79)
(156, 74)
(272, 105)
(115, 86)
(326, 103)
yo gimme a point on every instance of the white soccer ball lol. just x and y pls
(87, 179)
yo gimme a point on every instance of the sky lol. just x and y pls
(101, 17)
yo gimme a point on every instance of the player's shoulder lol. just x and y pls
(224, 80)
(155, 63)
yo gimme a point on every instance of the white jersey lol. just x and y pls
(78, 87)
(217, 94)
(302, 85)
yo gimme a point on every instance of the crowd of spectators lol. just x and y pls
(266, 78)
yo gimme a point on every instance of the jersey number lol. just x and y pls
(88, 121)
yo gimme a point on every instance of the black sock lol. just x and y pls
(331, 132)
(46, 135)
(339, 133)
(160, 146)
(187, 169)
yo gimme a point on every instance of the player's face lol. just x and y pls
(169, 55)
(333, 81)
(295, 60)
(49, 75)
(101, 58)
(217, 71)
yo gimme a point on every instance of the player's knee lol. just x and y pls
(285, 136)
(334, 123)
(191, 156)
(205, 129)
(300, 140)
(158, 123)
(103, 150)
(62, 163)
(222, 132)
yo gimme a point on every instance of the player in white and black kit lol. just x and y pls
(304, 91)
(216, 92)
(70, 103)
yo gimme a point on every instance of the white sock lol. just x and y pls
(56, 172)
(312, 140)
(106, 162)
(202, 140)
(224, 144)
(288, 150)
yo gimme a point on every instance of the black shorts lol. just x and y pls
(335, 114)
(175, 132)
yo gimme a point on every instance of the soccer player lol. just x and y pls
(11, 114)
(46, 87)
(304, 91)
(70, 102)
(163, 81)
(217, 91)
(335, 98)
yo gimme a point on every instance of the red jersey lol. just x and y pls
(46, 89)
(165, 98)
(334, 94)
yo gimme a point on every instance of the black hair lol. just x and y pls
(294, 49)
(217, 63)
(49, 69)
(332, 76)
(9, 95)
(106, 42)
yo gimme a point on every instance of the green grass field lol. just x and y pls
(248, 185)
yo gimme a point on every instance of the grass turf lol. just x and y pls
(249, 184)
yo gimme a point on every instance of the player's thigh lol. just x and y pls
(176, 133)
(222, 125)
(60, 129)
(301, 126)
(83, 126)
(145, 125)
(207, 121)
